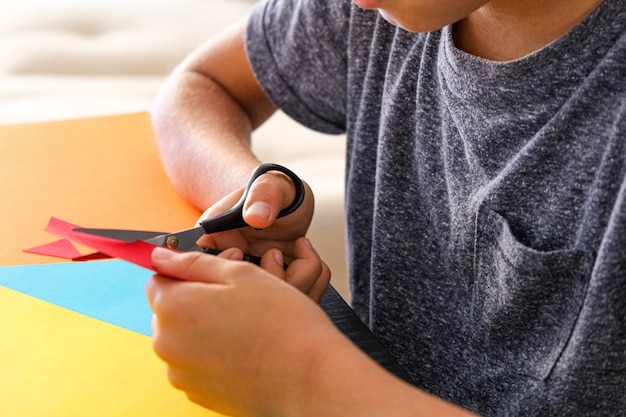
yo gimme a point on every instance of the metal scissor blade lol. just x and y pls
(121, 234)
(185, 240)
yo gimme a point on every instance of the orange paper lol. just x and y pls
(103, 171)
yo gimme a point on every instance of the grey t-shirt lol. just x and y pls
(486, 202)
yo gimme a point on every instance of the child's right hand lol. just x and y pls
(283, 237)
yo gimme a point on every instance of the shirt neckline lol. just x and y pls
(600, 27)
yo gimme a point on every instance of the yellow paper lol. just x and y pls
(56, 362)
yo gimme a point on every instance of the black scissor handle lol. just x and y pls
(233, 218)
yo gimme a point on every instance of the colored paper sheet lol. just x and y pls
(65, 249)
(137, 252)
(85, 352)
(111, 291)
(61, 248)
(58, 363)
(102, 171)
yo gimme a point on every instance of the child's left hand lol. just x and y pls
(235, 338)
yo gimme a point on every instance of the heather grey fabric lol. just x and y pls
(486, 201)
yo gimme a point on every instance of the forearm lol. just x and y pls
(346, 382)
(204, 116)
(278, 354)
(203, 139)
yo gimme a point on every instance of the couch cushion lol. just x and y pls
(107, 37)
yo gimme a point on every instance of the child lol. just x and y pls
(485, 205)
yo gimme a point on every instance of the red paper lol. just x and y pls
(138, 252)
(61, 248)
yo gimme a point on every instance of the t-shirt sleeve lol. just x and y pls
(298, 51)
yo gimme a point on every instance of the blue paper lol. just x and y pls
(111, 291)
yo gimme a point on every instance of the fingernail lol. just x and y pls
(309, 245)
(278, 257)
(235, 255)
(162, 254)
(259, 209)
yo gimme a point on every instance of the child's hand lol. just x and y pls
(270, 193)
(241, 342)
(307, 271)
(235, 338)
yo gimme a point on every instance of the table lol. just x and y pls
(76, 335)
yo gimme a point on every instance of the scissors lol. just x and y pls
(185, 240)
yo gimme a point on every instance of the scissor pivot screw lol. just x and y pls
(171, 242)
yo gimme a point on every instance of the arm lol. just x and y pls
(235, 338)
(204, 116)
(241, 342)
(203, 119)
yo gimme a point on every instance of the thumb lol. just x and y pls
(268, 195)
(189, 266)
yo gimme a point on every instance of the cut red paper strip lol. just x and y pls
(138, 252)
(61, 248)
(91, 257)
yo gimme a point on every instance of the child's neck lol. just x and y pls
(505, 30)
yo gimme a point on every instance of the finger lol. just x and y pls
(267, 197)
(321, 285)
(233, 254)
(272, 261)
(163, 294)
(193, 266)
(155, 288)
(307, 267)
(164, 297)
(168, 321)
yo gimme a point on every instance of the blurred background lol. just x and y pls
(66, 59)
